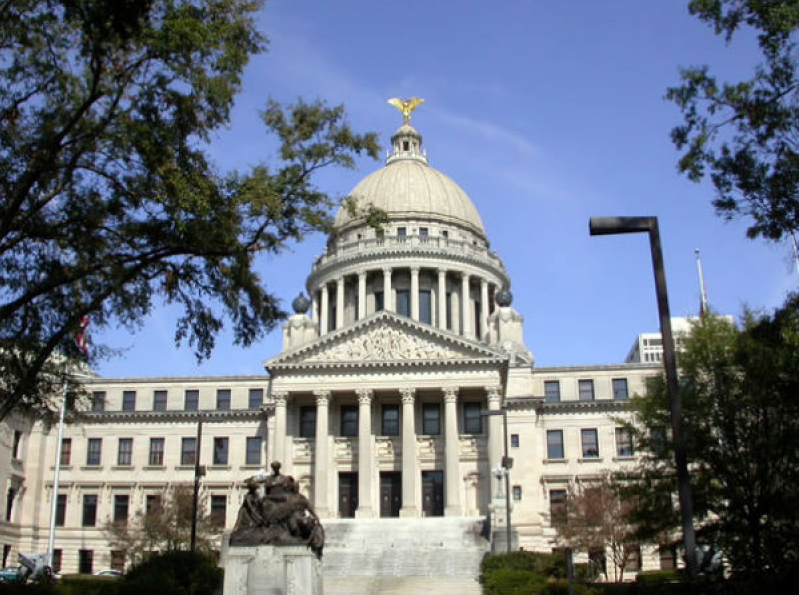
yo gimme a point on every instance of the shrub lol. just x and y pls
(173, 573)
(656, 577)
(561, 587)
(86, 584)
(510, 581)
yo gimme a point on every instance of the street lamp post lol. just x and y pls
(507, 463)
(619, 225)
(198, 472)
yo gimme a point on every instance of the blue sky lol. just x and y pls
(546, 113)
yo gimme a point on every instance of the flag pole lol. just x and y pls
(56, 476)
(702, 291)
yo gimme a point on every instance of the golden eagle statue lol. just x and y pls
(406, 106)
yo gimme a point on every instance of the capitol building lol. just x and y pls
(386, 402)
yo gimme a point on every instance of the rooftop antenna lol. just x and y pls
(702, 291)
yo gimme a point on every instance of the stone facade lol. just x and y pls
(376, 403)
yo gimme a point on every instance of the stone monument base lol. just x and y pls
(271, 570)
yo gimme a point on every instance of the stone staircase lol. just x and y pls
(434, 556)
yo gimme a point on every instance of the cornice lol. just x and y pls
(117, 417)
(658, 367)
(264, 378)
(577, 406)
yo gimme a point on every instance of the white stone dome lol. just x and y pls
(408, 188)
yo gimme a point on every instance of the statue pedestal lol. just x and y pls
(271, 570)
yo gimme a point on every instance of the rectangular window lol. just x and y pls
(586, 389)
(423, 233)
(472, 421)
(129, 400)
(401, 234)
(66, 451)
(218, 510)
(256, 398)
(85, 561)
(223, 399)
(431, 419)
(390, 421)
(61, 510)
(624, 442)
(253, 455)
(94, 451)
(657, 441)
(590, 443)
(514, 440)
(552, 391)
(188, 451)
(557, 506)
(16, 443)
(57, 556)
(308, 421)
(620, 388)
(89, 510)
(98, 401)
(555, 444)
(633, 558)
(192, 402)
(118, 560)
(331, 316)
(403, 302)
(152, 504)
(159, 400)
(220, 451)
(517, 492)
(125, 452)
(449, 310)
(379, 307)
(121, 502)
(156, 452)
(425, 306)
(10, 503)
(349, 420)
(668, 557)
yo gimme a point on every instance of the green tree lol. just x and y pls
(740, 392)
(166, 526)
(108, 200)
(745, 133)
(596, 519)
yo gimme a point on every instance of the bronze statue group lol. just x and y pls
(279, 516)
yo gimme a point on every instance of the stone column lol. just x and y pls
(388, 301)
(466, 310)
(321, 458)
(495, 435)
(451, 455)
(315, 308)
(441, 298)
(409, 469)
(483, 308)
(340, 303)
(415, 293)
(323, 324)
(361, 294)
(279, 452)
(364, 453)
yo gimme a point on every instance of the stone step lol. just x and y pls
(401, 586)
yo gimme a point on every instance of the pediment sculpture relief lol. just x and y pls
(385, 344)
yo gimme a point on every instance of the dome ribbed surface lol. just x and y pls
(408, 188)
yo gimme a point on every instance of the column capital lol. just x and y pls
(442, 270)
(362, 273)
(415, 270)
(280, 398)
(494, 393)
(364, 395)
(322, 397)
(450, 394)
(408, 395)
(465, 275)
(340, 280)
(387, 270)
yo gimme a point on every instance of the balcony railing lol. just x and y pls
(410, 243)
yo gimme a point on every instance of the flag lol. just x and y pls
(82, 338)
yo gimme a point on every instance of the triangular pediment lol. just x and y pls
(384, 338)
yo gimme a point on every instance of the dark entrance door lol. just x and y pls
(390, 493)
(433, 493)
(347, 494)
